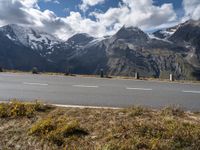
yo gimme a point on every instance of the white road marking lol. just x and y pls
(73, 106)
(40, 84)
(195, 92)
(142, 89)
(79, 106)
(85, 86)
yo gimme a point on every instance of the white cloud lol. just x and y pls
(54, 1)
(88, 3)
(192, 9)
(27, 12)
(141, 13)
(80, 24)
(27, 3)
(15, 11)
(138, 13)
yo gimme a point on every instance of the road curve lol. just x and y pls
(98, 92)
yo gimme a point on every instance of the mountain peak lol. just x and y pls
(131, 28)
(22, 29)
(185, 26)
(80, 38)
(131, 34)
(15, 28)
(187, 32)
(192, 23)
(28, 36)
(11, 26)
(128, 30)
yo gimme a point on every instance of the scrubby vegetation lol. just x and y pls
(34, 70)
(16, 108)
(1, 69)
(100, 129)
(56, 129)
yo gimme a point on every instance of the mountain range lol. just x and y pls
(173, 50)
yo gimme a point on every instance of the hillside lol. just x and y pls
(175, 50)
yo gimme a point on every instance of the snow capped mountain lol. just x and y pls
(176, 49)
(80, 39)
(131, 34)
(165, 33)
(169, 32)
(29, 37)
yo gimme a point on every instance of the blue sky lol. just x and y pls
(64, 18)
(65, 6)
(73, 5)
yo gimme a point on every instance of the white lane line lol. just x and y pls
(142, 89)
(40, 84)
(85, 86)
(194, 92)
(79, 106)
(74, 106)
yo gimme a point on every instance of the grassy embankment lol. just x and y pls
(38, 126)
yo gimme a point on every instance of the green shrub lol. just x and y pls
(182, 134)
(168, 133)
(56, 129)
(1, 69)
(172, 111)
(21, 109)
(4, 110)
(135, 111)
(35, 70)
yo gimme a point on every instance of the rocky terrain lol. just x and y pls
(174, 50)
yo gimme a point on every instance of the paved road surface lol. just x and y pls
(98, 92)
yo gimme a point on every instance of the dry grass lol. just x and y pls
(103, 129)
(16, 108)
(56, 129)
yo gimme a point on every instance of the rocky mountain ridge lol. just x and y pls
(175, 50)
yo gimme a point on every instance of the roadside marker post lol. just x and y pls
(171, 77)
(137, 75)
(1, 69)
(101, 73)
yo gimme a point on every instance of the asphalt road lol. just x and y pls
(98, 92)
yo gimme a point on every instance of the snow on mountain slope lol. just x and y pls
(29, 37)
(165, 33)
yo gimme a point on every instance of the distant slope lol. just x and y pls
(174, 50)
(14, 55)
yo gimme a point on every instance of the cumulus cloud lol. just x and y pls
(192, 9)
(54, 1)
(28, 13)
(14, 11)
(142, 13)
(88, 3)
(80, 24)
(138, 13)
